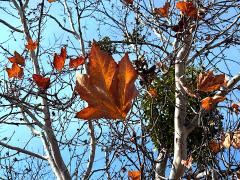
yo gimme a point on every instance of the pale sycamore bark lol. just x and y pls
(180, 132)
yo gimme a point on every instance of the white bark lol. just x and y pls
(180, 133)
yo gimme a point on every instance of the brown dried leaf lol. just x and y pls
(17, 58)
(215, 147)
(108, 87)
(128, 1)
(134, 175)
(187, 8)
(208, 102)
(59, 60)
(152, 92)
(74, 63)
(163, 11)
(31, 46)
(207, 82)
(235, 107)
(188, 162)
(15, 71)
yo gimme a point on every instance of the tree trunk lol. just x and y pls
(180, 131)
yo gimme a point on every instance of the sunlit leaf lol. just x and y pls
(227, 140)
(207, 82)
(208, 102)
(134, 175)
(215, 147)
(17, 58)
(15, 71)
(163, 11)
(51, 1)
(31, 46)
(41, 81)
(74, 63)
(187, 8)
(59, 60)
(152, 92)
(188, 162)
(108, 87)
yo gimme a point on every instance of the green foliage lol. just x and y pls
(159, 113)
(106, 45)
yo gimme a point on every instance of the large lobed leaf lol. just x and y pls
(208, 82)
(108, 87)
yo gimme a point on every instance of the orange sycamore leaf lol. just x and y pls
(152, 92)
(208, 102)
(188, 8)
(163, 11)
(108, 87)
(74, 63)
(188, 162)
(15, 71)
(134, 175)
(207, 82)
(50, 1)
(59, 60)
(215, 147)
(128, 1)
(17, 58)
(31, 46)
(41, 81)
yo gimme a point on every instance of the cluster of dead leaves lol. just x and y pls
(186, 8)
(18, 62)
(229, 139)
(58, 63)
(207, 82)
(107, 87)
(59, 60)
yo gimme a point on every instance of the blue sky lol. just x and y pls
(16, 41)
